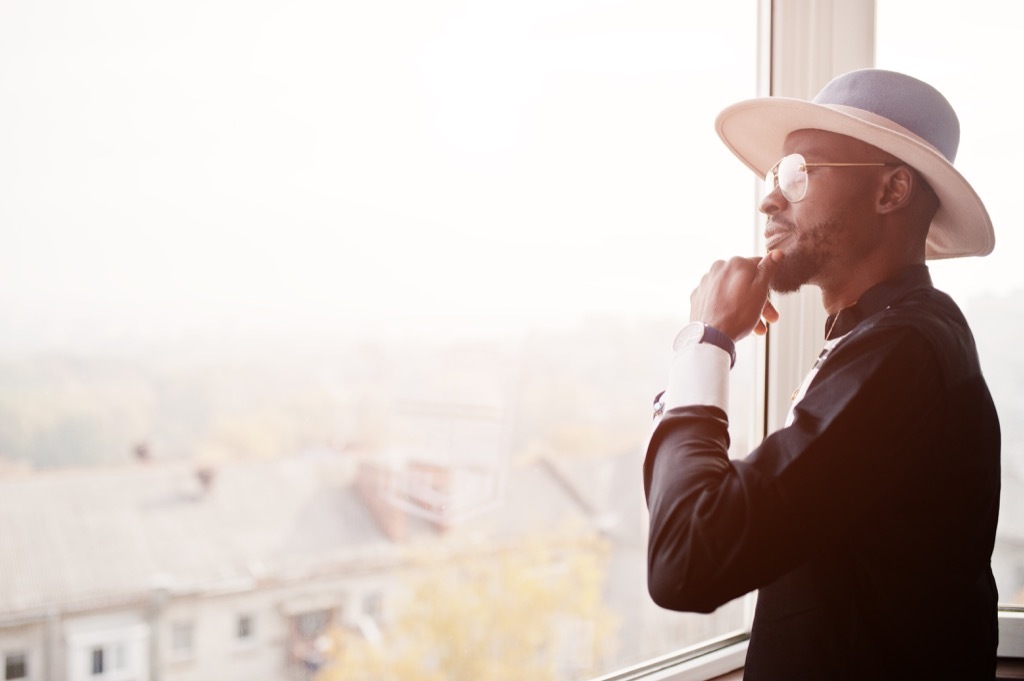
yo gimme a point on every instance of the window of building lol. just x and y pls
(309, 625)
(309, 642)
(182, 639)
(15, 666)
(245, 628)
(97, 659)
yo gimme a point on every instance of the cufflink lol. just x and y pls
(659, 405)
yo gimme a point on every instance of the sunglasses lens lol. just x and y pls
(792, 175)
(769, 181)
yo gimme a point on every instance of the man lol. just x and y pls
(867, 522)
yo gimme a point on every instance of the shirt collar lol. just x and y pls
(876, 299)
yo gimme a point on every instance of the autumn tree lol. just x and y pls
(533, 611)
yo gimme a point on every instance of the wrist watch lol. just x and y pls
(699, 332)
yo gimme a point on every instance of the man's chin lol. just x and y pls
(795, 270)
(787, 280)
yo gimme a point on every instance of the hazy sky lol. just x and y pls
(269, 165)
(971, 52)
(308, 167)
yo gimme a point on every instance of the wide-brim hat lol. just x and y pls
(892, 111)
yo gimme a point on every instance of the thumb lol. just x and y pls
(766, 269)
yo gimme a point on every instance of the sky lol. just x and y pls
(970, 52)
(229, 166)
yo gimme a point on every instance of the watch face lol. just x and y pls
(691, 333)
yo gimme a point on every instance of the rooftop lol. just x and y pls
(82, 538)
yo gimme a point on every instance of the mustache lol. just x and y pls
(778, 223)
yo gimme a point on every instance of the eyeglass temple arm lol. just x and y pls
(834, 165)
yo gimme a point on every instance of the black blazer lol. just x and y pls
(867, 525)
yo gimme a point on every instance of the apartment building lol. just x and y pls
(162, 572)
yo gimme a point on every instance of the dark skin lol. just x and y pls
(856, 227)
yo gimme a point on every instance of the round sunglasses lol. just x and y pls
(790, 175)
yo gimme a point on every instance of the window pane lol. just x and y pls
(320, 299)
(15, 666)
(181, 638)
(973, 76)
(97, 661)
(244, 627)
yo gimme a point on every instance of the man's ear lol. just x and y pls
(899, 185)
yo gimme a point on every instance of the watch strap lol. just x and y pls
(722, 340)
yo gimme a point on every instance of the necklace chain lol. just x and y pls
(828, 334)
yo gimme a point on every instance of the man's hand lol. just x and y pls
(733, 296)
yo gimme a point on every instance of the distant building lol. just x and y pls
(160, 572)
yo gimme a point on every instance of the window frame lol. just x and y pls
(802, 45)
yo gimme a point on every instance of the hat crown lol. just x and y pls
(904, 100)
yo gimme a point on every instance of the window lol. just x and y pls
(244, 628)
(309, 625)
(182, 639)
(97, 661)
(459, 264)
(488, 225)
(15, 666)
(309, 641)
(987, 289)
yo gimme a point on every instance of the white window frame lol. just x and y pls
(808, 42)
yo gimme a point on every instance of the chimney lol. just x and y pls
(205, 476)
(141, 452)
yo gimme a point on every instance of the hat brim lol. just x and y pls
(756, 129)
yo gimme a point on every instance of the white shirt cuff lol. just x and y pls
(698, 376)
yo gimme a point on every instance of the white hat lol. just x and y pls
(892, 111)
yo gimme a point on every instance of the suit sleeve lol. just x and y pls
(720, 528)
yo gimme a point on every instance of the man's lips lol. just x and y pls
(774, 236)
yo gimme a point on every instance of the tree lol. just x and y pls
(533, 611)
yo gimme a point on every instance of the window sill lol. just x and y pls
(718, 657)
(702, 662)
(1011, 633)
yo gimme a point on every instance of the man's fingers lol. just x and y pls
(733, 295)
(766, 268)
(769, 315)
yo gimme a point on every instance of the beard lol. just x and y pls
(808, 258)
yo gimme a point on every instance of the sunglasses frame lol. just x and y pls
(771, 178)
